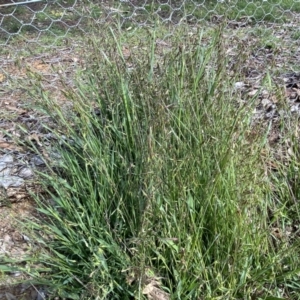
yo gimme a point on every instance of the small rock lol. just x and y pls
(25, 173)
(26, 238)
(290, 152)
(239, 85)
(265, 93)
(265, 102)
(16, 274)
(11, 181)
(6, 159)
(37, 160)
(4, 170)
(7, 239)
(295, 108)
(252, 93)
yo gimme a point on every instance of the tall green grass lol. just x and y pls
(159, 182)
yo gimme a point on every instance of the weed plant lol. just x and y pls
(158, 183)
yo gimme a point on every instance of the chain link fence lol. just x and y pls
(32, 29)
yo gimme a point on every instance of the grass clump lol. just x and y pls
(158, 186)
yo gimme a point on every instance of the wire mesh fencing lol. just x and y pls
(34, 28)
(51, 15)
